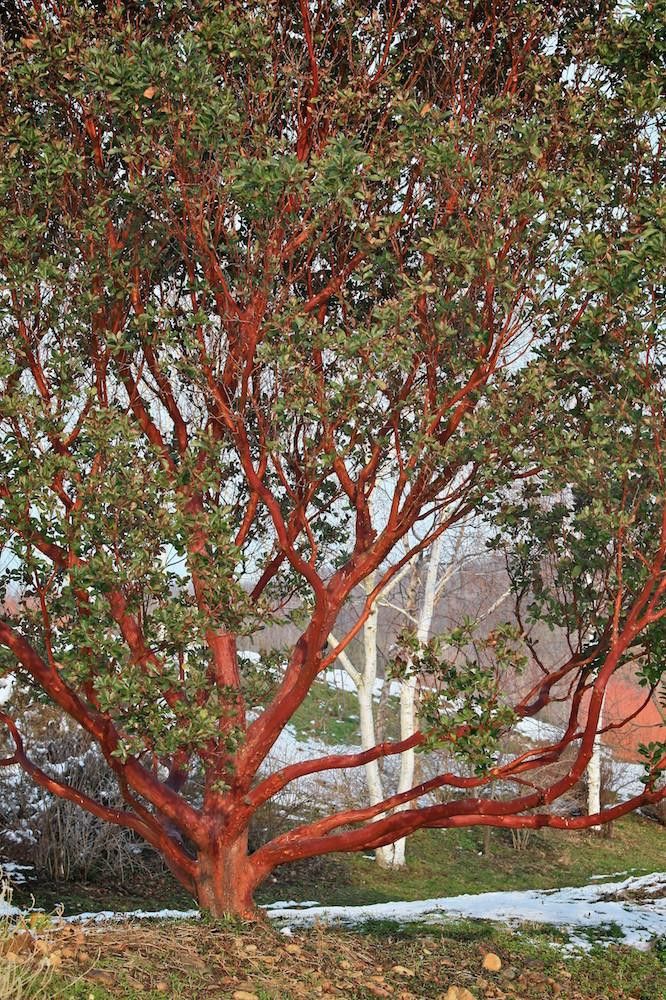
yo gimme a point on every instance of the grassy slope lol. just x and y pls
(449, 862)
(440, 863)
(330, 715)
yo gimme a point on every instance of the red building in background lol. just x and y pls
(623, 698)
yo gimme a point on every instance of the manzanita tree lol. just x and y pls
(256, 257)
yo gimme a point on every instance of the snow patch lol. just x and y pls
(8, 909)
(537, 730)
(576, 910)
(292, 903)
(338, 678)
(14, 872)
(637, 906)
(109, 916)
(594, 878)
(7, 684)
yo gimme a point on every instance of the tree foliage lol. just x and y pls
(255, 259)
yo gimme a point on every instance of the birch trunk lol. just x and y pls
(364, 681)
(408, 689)
(366, 690)
(594, 776)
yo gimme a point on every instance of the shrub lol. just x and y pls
(55, 835)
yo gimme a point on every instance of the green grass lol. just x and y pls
(451, 862)
(330, 715)
(150, 892)
(440, 863)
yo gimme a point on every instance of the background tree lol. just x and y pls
(411, 597)
(256, 258)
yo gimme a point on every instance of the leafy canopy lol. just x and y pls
(254, 263)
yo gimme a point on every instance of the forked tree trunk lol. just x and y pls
(227, 880)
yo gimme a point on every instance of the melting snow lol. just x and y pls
(337, 677)
(14, 872)
(8, 909)
(105, 916)
(6, 688)
(594, 878)
(573, 909)
(636, 906)
(537, 730)
(292, 903)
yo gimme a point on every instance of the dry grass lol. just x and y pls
(25, 970)
(196, 960)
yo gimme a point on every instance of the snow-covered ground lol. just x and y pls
(338, 678)
(636, 906)
(14, 872)
(113, 916)
(8, 909)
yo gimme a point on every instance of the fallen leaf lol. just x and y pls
(401, 970)
(21, 942)
(377, 991)
(29, 41)
(458, 993)
(101, 976)
(492, 962)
